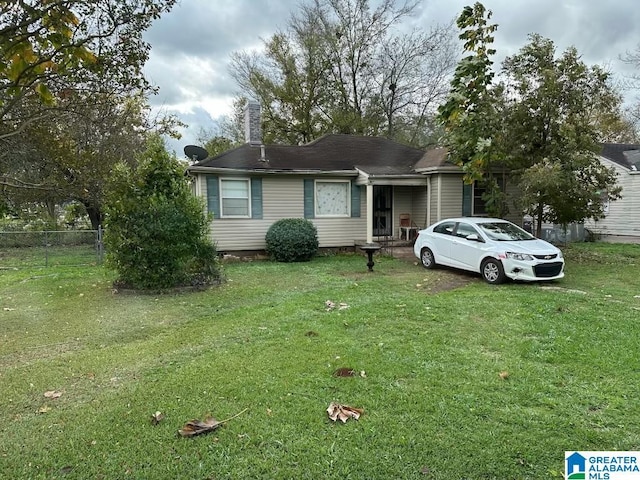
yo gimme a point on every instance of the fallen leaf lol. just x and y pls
(343, 306)
(7, 309)
(44, 409)
(197, 427)
(504, 375)
(344, 372)
(329, 305)
(363, 374)
(425, 471)
(156, 418)
(343, 412)
(52, 394)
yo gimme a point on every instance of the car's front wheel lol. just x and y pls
(492, 271)
(427, 259)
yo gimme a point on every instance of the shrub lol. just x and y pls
(292, 240)
(156, 232)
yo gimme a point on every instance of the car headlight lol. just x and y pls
(519, 256)
(560, 254)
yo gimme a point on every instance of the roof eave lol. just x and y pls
(272, 171)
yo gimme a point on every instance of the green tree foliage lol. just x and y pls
(339, 68)
(292, 240)
(69, 154)
(71, 76)
(473, 113)
(554, 130)
(542, 123)
(48, 48)
(156, 231)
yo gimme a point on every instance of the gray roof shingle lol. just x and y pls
(624, 154)
(328, 153)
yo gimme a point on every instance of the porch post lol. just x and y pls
(369, 213)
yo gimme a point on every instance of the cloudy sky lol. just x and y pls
(191, 45)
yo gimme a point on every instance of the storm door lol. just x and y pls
(382, 211)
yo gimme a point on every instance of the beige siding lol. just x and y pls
(283, 197)
(419, 206)
(622, 223)
(450, 197)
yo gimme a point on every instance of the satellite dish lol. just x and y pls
(195, 153)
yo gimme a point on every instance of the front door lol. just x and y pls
(382, 211)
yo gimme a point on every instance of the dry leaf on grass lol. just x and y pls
(504, 375)
(156, 418)
(343, 412)
(197, 427)
(52, 394)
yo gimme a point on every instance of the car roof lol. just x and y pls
(474, 220)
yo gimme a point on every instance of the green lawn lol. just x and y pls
(457, 379)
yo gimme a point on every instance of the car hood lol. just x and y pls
(533, 247)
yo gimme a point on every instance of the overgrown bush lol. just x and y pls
(156, 234)
(292, 240)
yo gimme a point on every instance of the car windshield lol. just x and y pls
(505, 231)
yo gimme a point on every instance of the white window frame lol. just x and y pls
(222, 197)
(347, 183)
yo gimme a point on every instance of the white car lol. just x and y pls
(495, 248)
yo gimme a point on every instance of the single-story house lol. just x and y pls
(622, 217)
(355, 189)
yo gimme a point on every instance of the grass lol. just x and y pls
(471, 382)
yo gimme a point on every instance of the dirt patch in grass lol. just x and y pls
(443, 281)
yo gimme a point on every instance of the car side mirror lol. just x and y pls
(474, 238)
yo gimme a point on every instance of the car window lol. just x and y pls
(445, 228)
(464, 230)
(505, 231)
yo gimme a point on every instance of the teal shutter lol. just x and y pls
(467, 192)
(355, 200)
(309, 206)
(213, 196)
(256, 198)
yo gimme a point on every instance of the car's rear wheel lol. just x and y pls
(426, 257)
(492, 271)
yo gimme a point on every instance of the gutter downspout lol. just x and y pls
(428, 220)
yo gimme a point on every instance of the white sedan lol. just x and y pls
(495, 248)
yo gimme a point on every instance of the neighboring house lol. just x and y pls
(353, 188)
(622, 220)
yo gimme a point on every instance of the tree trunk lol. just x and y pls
(95, 215)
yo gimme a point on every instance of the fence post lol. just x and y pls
(100, 245)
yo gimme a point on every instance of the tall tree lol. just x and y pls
(554, 127)
(69, 155)
(339, 68)
(59, 61)
(473, 114)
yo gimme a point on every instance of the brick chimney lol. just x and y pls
(252, 130)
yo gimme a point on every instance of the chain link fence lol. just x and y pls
(51, 248)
